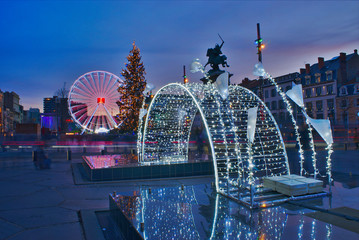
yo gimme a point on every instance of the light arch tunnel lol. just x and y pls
(167, 129)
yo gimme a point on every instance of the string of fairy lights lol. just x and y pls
(329, 148)
(296, 128)
(225, 124)
(312, 146)
(239, 181)
(139, 129)
(169, 121)
(294, 122)
(167, 212)
(245, 224)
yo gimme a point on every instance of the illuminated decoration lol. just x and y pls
(321, 125)
(251, 126)
(222, 85)
(143, 112)
(131, 90)
(100, 100)
(245, 224)
(323, 128)
(161, 213)
(259, 71)
(197, 66)
(188, 212)
(243, 149)
(109, 161)
(92, 101)
(169, 120)
(296, 94)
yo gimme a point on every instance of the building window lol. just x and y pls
(281, 104)
(343, 91)
(266, 95)
(318, 91)
(308, 93)
(319, 105)
(274, 105)
(330, 89)
(356, 89)
(343, 103)
(273, 93)
(268, 104)
(320, 116)
(307, 80)
(330, 104)
(329, 76)
(308, 105)
(317, 77)
(358, 103)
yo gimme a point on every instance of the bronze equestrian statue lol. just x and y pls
(214, 60)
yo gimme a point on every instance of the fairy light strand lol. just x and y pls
(225, 122)
(329, 148)
(312, 145)
(294, 122)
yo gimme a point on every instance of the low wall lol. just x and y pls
(149, 172)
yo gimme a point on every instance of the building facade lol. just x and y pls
(56, 115)
(330, 92)
(12, 111)
(274, 101)
(1, 113)
(32, 116)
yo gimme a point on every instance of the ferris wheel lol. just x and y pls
(93, 101)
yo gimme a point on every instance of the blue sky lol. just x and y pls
(46, 43)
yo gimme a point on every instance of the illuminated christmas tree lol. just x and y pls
(132, 90)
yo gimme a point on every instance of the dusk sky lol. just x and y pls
(46, 43)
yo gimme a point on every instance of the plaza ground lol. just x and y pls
(45, 204)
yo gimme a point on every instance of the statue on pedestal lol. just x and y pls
(214, 60)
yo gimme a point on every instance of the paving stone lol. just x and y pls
(85, 204)
(40, 217)
(56, 232)
(42, 198)
(14, 188)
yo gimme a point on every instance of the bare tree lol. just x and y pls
(62, 92)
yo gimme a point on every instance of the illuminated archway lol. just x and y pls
(168, 125)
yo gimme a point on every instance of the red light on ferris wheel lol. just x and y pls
(100, 100)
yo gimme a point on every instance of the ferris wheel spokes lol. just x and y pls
(89, 119)
(82, 92)
(109, 116)
(93, 101)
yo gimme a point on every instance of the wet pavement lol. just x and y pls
(45, 204)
